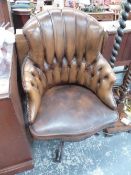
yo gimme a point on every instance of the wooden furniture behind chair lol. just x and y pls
(5, 15)
(103, 16)
(15, 154)
(20, 17)
(124, 56)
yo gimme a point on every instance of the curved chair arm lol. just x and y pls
(34, 84)
(102, 80)
(106, 81)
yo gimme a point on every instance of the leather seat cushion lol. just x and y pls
(71, 112)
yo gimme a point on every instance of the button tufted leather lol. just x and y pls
(34, 83)
(64, 48)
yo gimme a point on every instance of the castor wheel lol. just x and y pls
(97, 134)
(106, 134)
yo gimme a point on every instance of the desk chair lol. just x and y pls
(67, 80)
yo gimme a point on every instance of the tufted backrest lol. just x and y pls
(63, 34)
(64, 47)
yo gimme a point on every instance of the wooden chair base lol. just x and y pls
(118, 126)
(121, 93)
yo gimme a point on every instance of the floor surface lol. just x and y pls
(97, 155)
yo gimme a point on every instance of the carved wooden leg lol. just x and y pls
(58, 152)
(120, 32)
(126, 82)
(121, 94)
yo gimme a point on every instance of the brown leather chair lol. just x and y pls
(68, 82)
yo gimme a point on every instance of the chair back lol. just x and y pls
(64, 45)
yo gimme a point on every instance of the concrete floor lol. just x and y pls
(97, 155)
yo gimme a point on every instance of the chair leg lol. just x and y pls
(125, 85)
(58, 152)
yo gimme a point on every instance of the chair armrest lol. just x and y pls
(34, 84)
(106, 81)
(101, 81)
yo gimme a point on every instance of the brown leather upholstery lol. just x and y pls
(71, 111)
(64, 48)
